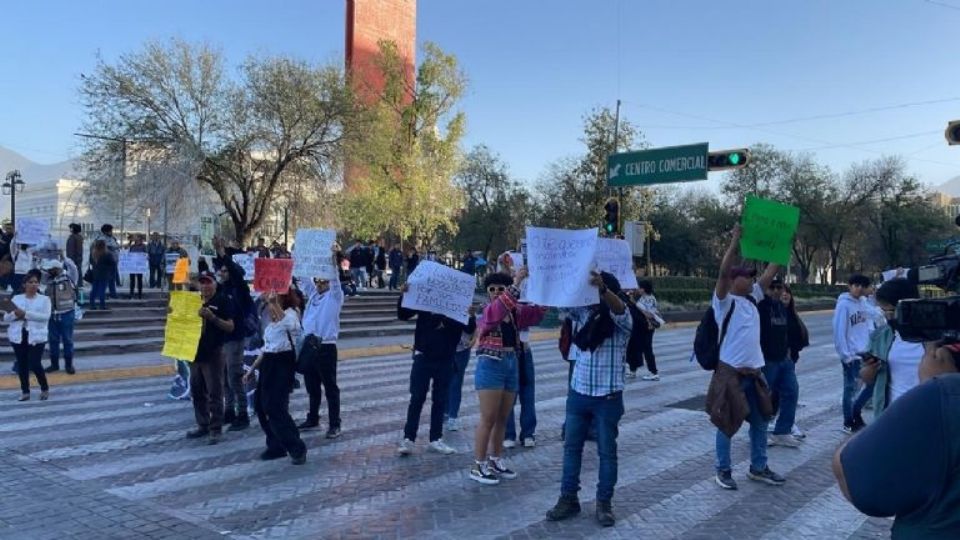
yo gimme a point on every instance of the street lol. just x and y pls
(109, 460)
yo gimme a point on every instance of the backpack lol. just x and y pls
(706, 343)
(566, 338)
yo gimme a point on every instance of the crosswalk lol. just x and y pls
(126, 439)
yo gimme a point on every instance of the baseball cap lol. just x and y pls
(207, 275)
(743, 271)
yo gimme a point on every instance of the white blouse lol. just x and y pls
(37, 318)
(278, 335)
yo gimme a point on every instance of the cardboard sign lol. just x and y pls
(184, 325)
(440, 289)
(245, 261)
(32, 231)
(614, 256)
(272, 275)
(170, 262)
(313, 254)
(559, 262)
(768, 230)
(181, 272)
(133, 263)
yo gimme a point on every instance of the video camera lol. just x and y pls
(934, 319)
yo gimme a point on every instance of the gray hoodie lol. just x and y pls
(853, 321)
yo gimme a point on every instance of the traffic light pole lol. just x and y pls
(616, 146)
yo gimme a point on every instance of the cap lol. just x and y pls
(777, 282)
(207, 275)
(743, 271)
(50, 264)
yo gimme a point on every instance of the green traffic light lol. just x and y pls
(734, 159)
(608, 227)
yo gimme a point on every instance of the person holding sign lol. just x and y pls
(276, 364)
(434, 345)
(137, 246)
(207, 369)
(28, 315)
(497, 374)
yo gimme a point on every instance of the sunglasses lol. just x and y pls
(498, 288)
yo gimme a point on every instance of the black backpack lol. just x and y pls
(706, 343)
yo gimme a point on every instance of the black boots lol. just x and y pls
(567, 506)
(605, 515)
(242, 421)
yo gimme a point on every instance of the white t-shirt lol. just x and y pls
(280, 336)
(741, 346)
(904, 363)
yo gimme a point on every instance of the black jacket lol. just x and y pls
(237, 289)
(436, 336)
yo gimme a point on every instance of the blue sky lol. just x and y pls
(686, 70)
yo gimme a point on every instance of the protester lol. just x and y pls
(182, 254)
(62, 290)
(496, 375)
(647, 303)
(261, 249)
(461, 359)
(737, 390)
(595, 397)
(412, 261)
(779, 369)
(275, 366)
(155, 251)
(207, 369)
(359, 257)
(380, 265)
(113, 247)
(27, 334)
(798, 338)
(434, 346)
(891, 365)
(23, 261)
(321, 326)
(136, 280)
(526, 394)
(104, 267)
(852, 325)
(75, 245)
(395, 260)
(469, 265)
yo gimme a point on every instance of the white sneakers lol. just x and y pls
(507, 443)
(406, 447)
(783, 440)
(651, 377)
(452, 424)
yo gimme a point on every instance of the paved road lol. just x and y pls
(108, 460)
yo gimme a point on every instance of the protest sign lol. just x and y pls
(182, 332)
(894, 273)
(170, 262)
(313, 254)
(440, 289)
(272, 275)
(768, 230)
(614, 256)
(245, 261)
(32, 231)
(559, 262)
(517, 260)
(133, 263)
(181, 272)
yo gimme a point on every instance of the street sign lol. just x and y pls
(634, 232)
(938, 246)
(664, 165)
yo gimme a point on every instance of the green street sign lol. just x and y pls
(664, 165)
(942, 244)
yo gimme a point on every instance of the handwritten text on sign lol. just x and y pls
(614, 256)
(768, 230)
(133, 263)
(559, 263)
(436, 288)
(32, 231)
(313, 255)
(272, 275)
(182, 332)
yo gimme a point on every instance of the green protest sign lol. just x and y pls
(768, 230)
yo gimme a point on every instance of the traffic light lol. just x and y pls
(611, 219)
(728, 159)
(953, 132)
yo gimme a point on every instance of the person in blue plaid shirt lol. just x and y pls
(599, 351)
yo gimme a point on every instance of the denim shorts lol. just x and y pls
(494, 373)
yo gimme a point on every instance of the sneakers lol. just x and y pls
(499, 466)
(509, 443)
(847, 429)
(483, 473)
(652, 377)
(333, 433)
(197, 433)
(214, 438)
(604, 514)
(797, 432)
(725, 480)
(452, 424)
(405, 448)
(308, 424)
(766, 476)
(441, 447)
(858, 423)
(631, 374)
(567, 506)
(783, 440)
(241, 422)
(528, 442)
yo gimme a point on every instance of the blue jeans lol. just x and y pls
(460, 361)
(394, 277)
(582, 410)
(527, 399)
(758, 433)
(782, 378)
(494, 373)
(99, 290)
(60, 328)
(852, 407)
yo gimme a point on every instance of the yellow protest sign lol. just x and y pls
(182, 332)
(181, 270)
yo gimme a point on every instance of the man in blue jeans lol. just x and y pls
(595, 395)
(778, 367)
(853, 321)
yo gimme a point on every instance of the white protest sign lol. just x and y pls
(245, 261)
(517, 259)
(614, 256)
(440, 289)
(313, 255)
(894, 273)
(133, 263)
(32, 231)
(559, 262)
(170, 261)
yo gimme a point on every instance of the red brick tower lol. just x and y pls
(369, 21)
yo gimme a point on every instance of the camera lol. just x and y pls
(936, 319)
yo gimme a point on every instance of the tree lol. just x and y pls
(404, 151)
(243, 136)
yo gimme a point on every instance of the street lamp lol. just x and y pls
(12, 186)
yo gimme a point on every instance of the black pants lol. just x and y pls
(424, 369)
(156, 275)
(272, 403)
(28, 359)
(322, 378)
(138, 279)
(206, 391)
(647, 351)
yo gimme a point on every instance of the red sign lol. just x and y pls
(272, 275)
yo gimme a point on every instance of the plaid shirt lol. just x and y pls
(600, 372)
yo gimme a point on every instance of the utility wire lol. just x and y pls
(944, 4)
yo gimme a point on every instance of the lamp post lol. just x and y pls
(12, 185)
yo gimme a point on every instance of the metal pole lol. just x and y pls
(123, 185)
(13, 200)
(616, 146)
(286, 245)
